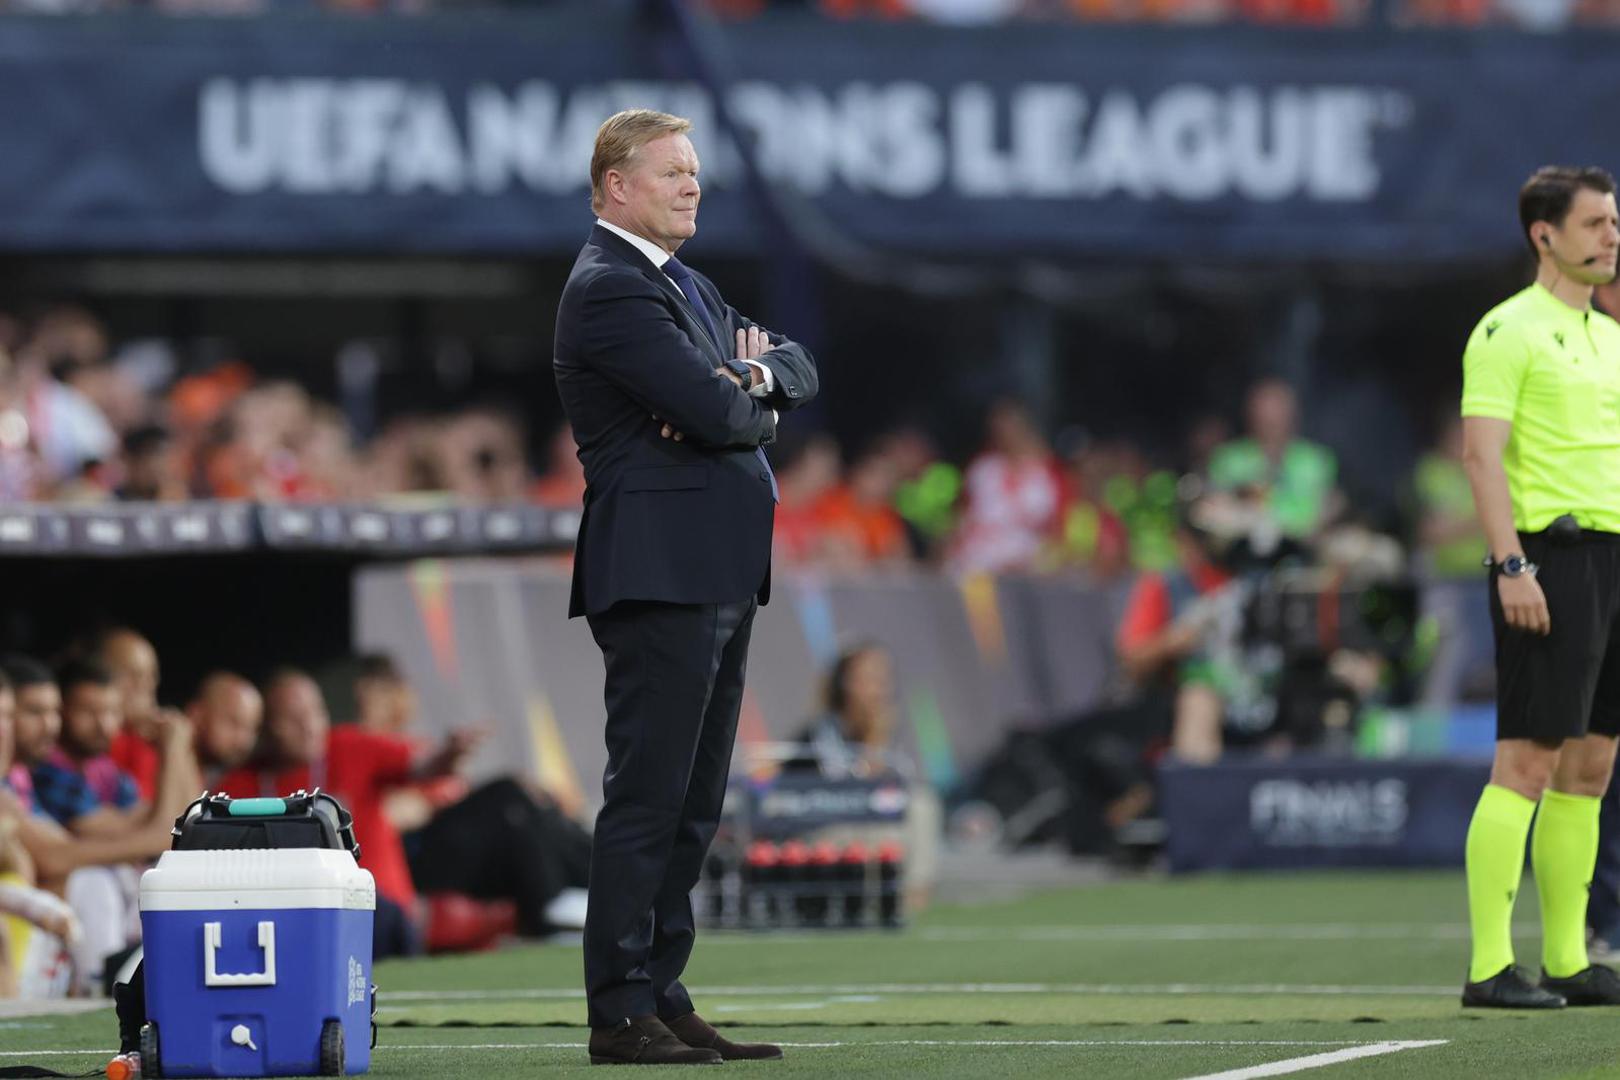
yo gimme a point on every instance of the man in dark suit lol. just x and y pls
(671, 394)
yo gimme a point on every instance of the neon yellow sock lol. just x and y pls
(1495, 860)
(1564, 853)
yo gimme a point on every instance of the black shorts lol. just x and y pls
(1566, 684)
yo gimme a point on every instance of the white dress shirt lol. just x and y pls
(764, 378)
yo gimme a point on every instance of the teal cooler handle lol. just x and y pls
(257, 807)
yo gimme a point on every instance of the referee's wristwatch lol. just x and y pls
(1512, 566)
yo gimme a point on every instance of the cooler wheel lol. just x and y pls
(151, 1063)
(332, 1056)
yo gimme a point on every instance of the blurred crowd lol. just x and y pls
(1539, 15)
(82, 422)
(94, 773)
(1104, 507)
(1527, 14)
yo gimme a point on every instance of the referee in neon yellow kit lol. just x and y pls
(1541, 420)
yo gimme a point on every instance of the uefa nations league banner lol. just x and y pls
(473, 134)
(1318, 812)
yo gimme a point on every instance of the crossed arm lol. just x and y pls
(630, 338)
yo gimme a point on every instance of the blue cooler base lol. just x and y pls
(322, 972)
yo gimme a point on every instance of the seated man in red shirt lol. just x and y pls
(302, 750)
(510, 843)
(134, 666)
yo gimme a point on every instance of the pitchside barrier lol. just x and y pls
(1312, 812)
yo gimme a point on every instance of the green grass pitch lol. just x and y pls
(1321, 975)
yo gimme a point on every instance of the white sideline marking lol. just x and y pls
(1204, 932)
(1154, 1043)
(1136, 932)
(1322, 990)
(804, 1006)
(53, 1053)
(34, 1007)
(1317, 1061)
(876, 1042)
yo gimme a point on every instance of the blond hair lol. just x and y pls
(618, 139)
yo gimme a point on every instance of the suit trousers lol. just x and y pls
(673, 691)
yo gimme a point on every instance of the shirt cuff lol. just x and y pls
(764, 379)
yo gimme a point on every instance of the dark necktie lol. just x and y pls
(683, 279)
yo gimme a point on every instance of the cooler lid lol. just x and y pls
(254, 880)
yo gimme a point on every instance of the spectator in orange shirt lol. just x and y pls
(866, 9)
(856, 522)
(805, 473)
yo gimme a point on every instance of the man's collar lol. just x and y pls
(1551, 302)
(655, 254)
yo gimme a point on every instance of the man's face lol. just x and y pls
(658, 191)
(149, 473)
(91, 717)
(39, 721)
(1591, 231)
(1272, 412)
(298, 720)
(134, 666)
(228, 726)
(390, 704)
(8, 728)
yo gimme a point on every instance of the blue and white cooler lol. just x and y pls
(258, 963)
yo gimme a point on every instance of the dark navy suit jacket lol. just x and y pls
(681, 522)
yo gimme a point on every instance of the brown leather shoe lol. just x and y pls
(644, 1040)
(692, 1030)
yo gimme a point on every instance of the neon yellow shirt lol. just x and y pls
(1554, 373)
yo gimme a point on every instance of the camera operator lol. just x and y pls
(1239, 681)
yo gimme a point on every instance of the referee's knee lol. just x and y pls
(1585, 766)
(1524, 766)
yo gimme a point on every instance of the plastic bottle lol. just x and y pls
(714, 872)
(853, 885)
(794, 901)
(759, 883)
(821, 884)
(891, 859)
